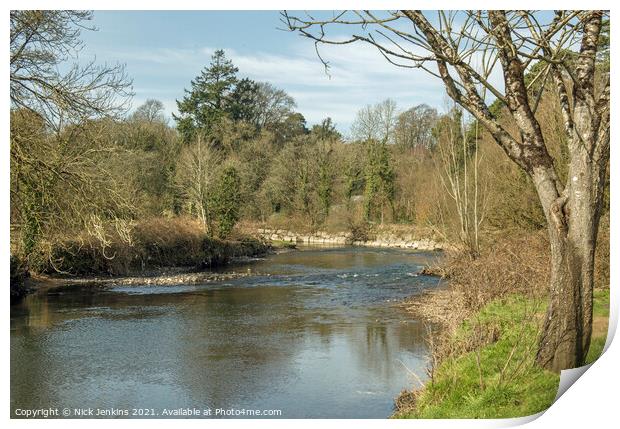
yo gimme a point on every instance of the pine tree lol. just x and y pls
(243, 105)
(209, 98)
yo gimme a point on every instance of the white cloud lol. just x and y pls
(358, 75)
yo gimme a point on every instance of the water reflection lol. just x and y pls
(313, 333)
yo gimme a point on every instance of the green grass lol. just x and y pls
(601, 303)
(596, 349)
(512, 384)
(599, 309)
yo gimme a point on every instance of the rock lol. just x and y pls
(343, 238)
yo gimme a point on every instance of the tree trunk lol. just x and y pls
(573, 221)
(567, 326)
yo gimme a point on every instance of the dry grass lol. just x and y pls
(516, 265)
(443, 307)
(519, 264)
(151, 243)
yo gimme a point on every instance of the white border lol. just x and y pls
(590, 402)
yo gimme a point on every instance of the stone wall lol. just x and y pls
(406, 241)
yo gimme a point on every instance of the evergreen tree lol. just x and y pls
(380, 180)
(243, 101)
(209, 98)
(226, 200)
(326, 130)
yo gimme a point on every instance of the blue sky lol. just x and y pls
(164, 50)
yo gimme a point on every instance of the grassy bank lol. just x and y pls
(148, 245)
(491, 372)
(483, 358)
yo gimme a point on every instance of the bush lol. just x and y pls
(516, 264)
(155, 243)
(519, 264)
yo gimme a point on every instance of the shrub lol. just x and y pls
(154, 243)
(519, 264)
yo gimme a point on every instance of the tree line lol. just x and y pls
(236, 150)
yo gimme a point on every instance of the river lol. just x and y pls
(313, 333)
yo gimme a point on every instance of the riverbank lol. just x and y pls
(168, 251)
(482, 362)
(486, 368)
(158, 251)
(388, 236)
(172, 276)
(18, 277)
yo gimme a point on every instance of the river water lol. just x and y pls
(313, 333)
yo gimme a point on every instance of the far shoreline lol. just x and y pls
(182, 275)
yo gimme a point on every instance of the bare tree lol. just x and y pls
(196, 172)
(459, 164)
(60, 174)
(414, 127)
(41, 46)
(376, 122)
(464, 49)
(273, 105)
(150, 111)
(365, 126)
